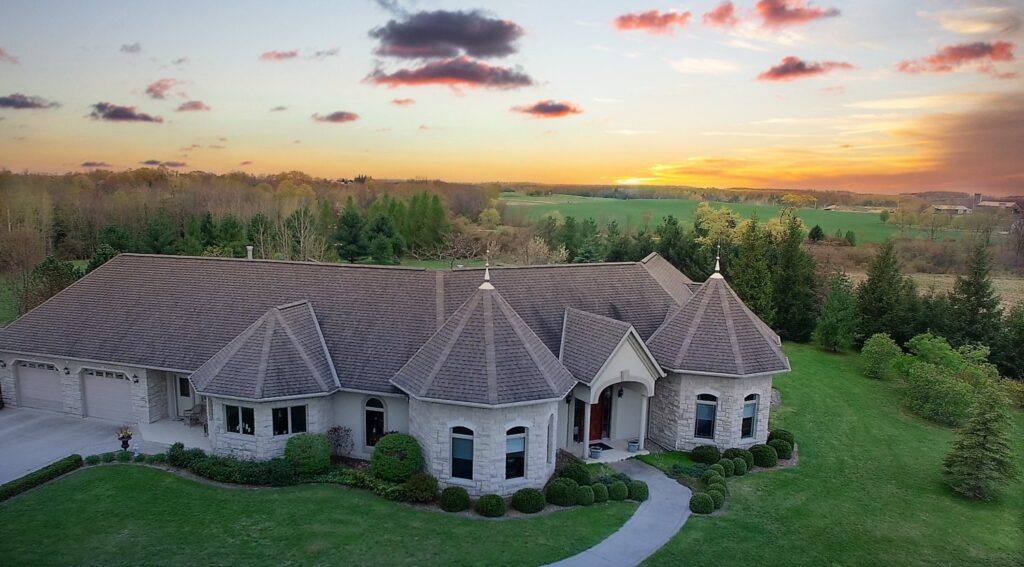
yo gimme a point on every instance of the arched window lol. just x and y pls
(749, 424)
(707, 408)
(462, 453)
(374, 421)
(515, 452)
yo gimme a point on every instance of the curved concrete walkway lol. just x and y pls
(652, 525)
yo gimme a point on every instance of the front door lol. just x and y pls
(185, 395)
(600, 416)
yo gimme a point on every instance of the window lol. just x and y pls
(515, 452)
(106, 374)
(707, 407)
(374, 421)
(462, 453)
(289, 420)
(749, 424)
(240, 419)
(183, 387)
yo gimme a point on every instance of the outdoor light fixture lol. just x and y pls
(568, 399)
(135, 378)
(66, 371)
(621, 391)
(3, 364)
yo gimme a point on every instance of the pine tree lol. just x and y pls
(976, 314)
(1008, 350)
(208, 229)
(793, 292)
(349, 237)
(386, 244)
(569, 237)
(159, 236)
(838, 323)
(192, 243)
(103, 254)
(751, 272)
(981, 458)
(547, 230)
(231, 236)
(884, 300)
(816, 234)
(679, 246)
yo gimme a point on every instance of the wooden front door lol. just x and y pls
(600, 416)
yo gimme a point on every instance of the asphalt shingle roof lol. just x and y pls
(588, 341)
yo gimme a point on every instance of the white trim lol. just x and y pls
(721, 375)
(486, 406)
(383, 410)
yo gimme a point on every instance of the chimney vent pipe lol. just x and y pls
(248, 252)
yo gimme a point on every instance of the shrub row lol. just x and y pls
(41, 476)
(275, 472)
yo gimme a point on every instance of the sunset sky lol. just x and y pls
(867, 96)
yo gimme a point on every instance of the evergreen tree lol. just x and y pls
(976, 315)
(103, 254)
(934, 313)
(159, 236)
(117, 237)
(593, 250)
(816, 234)
(386, 245)
(793, 291)
(192, 243)
(851, 238)
(349, 237)
(981, 459)
(885, 301)
(1008, 351)
(208, 230)
(231, 236)
(643, 245)
(621, 246)
(547, 230)
(679, 246)
(569, 237)
(750, 272)
(838, 323)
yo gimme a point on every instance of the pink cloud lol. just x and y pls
(193, 106)
(403, 101)
(949, 58)
(781, 13)
(794, 68)
(549, 109)
(279, 55)
(159, 88)
(7, 57)
(723, 16)
(652, 21)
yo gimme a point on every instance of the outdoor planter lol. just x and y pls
(595, 452)
(634, 446)
(124, 435)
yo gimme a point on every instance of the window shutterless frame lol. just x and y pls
(707, 410)
(462, 453)
(749, 424)
(240, 419)
(288, 420)
(515, 453)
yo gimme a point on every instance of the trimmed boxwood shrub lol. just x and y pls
(719, 486)
(310, 454)
(123, 457)
(585, 495)
(562, 492)
(739, 466)
(717, 497)
(708, 475)
(454, 499)
(783, 448)
(421, 487)
(742, 453)
(764, 456)
(490, 506)
(92, 460)
(140, 458)
(39, 477)
(718, 469)
(638, 490)
(600, 492)
(708, 454)
(577, 472)
(728, 466)
(157, 459)
(618, 491)
(396, 457)
(528, 500)
(107, 457)
(701, 503)
(781, 434)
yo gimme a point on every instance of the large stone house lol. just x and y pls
(493, 371)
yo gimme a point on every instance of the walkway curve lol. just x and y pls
(652, 525)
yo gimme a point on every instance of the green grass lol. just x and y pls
(868, 489)
(665, 461)
(633, 213)
(132, 515)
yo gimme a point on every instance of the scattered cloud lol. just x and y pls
(979, 20)
(980, 54)
(338, 117)
(7, 57)
(834, 90)
(323, 53)
(246, 162)
(722, 16)
(549, 109)
(116, 113)
(131, 48)
(793, 68)
(945, 102)
(216, 147)
(179, 61)
(696, 66)
(447, 34)
(94, 164)
(403, 101)
(782, 13)
(279, 55)
(18, 101)
(653, 21)
(192, 106)
(158, 163)
(279, 109)
(158, 89)
(456, 72)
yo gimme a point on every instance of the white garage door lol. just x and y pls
(107, 395)
(39, 386)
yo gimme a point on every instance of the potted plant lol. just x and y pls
(595, 451)
(633, 446)
(124, 435)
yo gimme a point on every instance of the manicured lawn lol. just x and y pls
(868, 489)
(665, 461)
(130, 515)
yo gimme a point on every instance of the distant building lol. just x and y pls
(1016, 208)
(951, 210)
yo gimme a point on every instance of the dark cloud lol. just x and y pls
(980, 53)
(131, 48)
(652, 21)
(216, 147)
(158, 163)
(150, 162)
(192, 106)
(337, 117)
(447, 34)
(722, 16)
(403, 101)
(456, 72)
(794, 68)
(279, 109)
(158, 89)
(781, 13)
(7, 57)
(19, 101)
(549, 109)
(94, 164)
(279, 55)
(115, 113)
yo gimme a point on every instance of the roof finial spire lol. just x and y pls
(718, 261)
(487, 271)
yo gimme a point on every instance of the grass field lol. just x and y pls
(633, 213)
(133, 515)
(1011, 289)
(868, 489)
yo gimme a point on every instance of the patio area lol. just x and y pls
(618, 451)
(166, 432)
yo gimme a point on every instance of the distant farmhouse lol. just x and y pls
(979, 205)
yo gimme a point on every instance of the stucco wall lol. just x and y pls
(431, 423)
(349, 411)
(263, 444)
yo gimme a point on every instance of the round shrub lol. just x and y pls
(159, 458)
(140, 458)
(717, 497)
(308, 454)
(741, 453)
(764, 456)
(562, 492)
(454, 499)
(708, 475)
(421, 487)
(702, 503)
(490, 506)
(396, 457)
(585, 495)
(600, 492)
(719, 486)
(92, 460)
(577, 472)
(718, 469)
(618, 491)
(728, 466)
(638, 490)
(124, 457)
(739, 466)
(707, 454)
(528, 500)
(781, 434)
(783, 448)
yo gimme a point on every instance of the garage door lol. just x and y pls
(107, 395)
(39, 386)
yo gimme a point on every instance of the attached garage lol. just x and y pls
(39, 386)
(107, 395)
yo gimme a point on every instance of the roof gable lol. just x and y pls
(588, 341)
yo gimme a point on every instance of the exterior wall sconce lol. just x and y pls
(135, 378)
(621, 391)
(66, 370)
(3, 364)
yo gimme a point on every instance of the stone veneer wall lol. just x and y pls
(431, 424)
(674, 410)
(263, 444)
(7, 380)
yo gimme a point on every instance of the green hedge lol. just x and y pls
(454, 499)
(720, 469)
(528, 500)
(40, 477)
(562, 492)
(783, 448)
(600, 492)
(707, 454)
(577, 472)
(396, 457)
(92, 460)
(490, 506)
(764, 456)
(717, 497)
(740, 453)
(702, 503)
(275, 472)
(709, 475)
(585, 495)
(638, 490)
(309, 454)
(618, 491)
(781, 434)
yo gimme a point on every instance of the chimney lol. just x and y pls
(248, 252)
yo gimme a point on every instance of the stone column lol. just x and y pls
(586, 430)
(643, 420)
